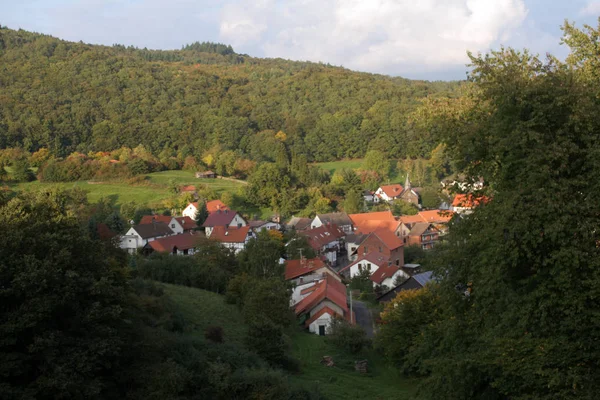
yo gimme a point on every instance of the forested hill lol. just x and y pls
(68, 96)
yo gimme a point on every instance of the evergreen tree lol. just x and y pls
(201, 214)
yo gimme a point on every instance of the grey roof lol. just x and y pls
(423, 277)
(299, 223)
(355, 238)
(338, 218)
(411, 266)
(257, 224)
(154, 229)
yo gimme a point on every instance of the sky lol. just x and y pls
(417, 39)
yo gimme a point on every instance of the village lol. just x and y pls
(347, 246)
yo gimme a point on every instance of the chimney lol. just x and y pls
(226, 233)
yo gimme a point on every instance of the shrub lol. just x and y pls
(214, 334)
(266, 339)
(351, 338)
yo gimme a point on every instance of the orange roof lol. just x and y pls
(383, 272)
(215, 205)
(230, 235)
(392, 190)
(357, 219)
(188, 188)
(318, 314)
(183, 241)
(436, 216)
(296, 268)
(388, 238)
(468, 200)
(186, 222)
(329, 288)
(411, 219)
(371, 226)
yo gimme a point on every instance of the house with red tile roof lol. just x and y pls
(211, 206)
(303, 269)
(380, 267)
(139, 235)
(363, 219)
(389, 192)
(384, 242)
(224, 218)
(234, 238)
(422, 234)
(321, 302)
(181, 244)
(341, 219)
(326, 240)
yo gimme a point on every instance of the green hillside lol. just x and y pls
(202, 309)
(68, 97)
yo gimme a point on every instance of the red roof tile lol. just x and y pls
(188, 188)
(388, 238)
(357, 219)
(183, 241)
(318, 314)
(186, 222)
(383, 272)
(215, 205)
(392, 190)
(411, 219)
(436, 216)
(230, 235)
(468, 200)
(323, 235)
(329, 288)
(296, 268)
(219, 218)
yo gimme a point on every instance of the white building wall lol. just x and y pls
(327, 303)
(237, 221)
(324, 320)
(190, 211)
(355, 269)
(382, 194)
(316, 223)
(296, 293)
(175, 226)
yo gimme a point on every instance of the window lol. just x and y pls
(380, 249)
(172, 225)
(369, 266)
(366, 250)
(398, 262)
(239, 225)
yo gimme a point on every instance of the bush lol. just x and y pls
(351, 338)
(266, 339)
(214, 334)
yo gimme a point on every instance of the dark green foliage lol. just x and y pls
(351, 338)
(266, 339)
(21, 171)
(61, 303)
(210, 268)
(414, 254)
(260, 257)
(198, 97)
(362, 282)
(354, 202)
(268, 299)
(214, 334)
(401, 207)
(295, 243)
(521, 275)
(430, 198)
(202, 214)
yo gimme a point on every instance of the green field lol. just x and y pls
(202, 309)
(332, 166)
(151, 193)
(341, 381)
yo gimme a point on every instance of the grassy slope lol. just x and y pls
(153, 193)
(202, 309)
(332, 166)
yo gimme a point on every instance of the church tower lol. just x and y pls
(407, 185)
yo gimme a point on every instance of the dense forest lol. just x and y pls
(68, 97)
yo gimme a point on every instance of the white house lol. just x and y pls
(267, 225)
(325, 240)
(181, 244)
(382, 272)
(177, 224)
(388, 192)
(139, 235)
(368, 196)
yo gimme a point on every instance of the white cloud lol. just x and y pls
(592, 8)
(390, 36)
